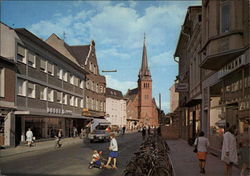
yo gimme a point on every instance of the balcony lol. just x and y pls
(223, 48)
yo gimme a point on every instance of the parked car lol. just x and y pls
(99, 133)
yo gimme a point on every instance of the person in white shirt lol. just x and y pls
(229, 150)
(29, 137)
(202, 144)
(113, 147)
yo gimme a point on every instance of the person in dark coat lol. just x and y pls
(143, 132)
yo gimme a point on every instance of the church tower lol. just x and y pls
(145, 106)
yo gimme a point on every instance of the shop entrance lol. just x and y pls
(232, 114)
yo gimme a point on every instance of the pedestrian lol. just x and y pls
(29, 137)
(149, 130)
(229, 150)
(244, 156)
(58, 138)
(159, 130)
(75, 132)
(143, 132)
(202, 144)
(113, 147)
(123, 130)
(82, 133)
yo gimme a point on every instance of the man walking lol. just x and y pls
(29, 137)
(123, 130)
(58, 138)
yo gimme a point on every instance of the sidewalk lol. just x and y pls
(186, 164)
(38, 146)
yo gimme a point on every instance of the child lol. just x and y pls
(96, 160)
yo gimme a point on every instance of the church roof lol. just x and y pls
(131, 93)
(144, 71)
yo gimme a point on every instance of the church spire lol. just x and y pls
(144, 71)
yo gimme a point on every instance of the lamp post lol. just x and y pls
(105, 71)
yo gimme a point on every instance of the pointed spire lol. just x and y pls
(144, 71)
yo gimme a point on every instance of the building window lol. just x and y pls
(31, 59)
(21, 86)
(225, 16)
(59, 73)
(2, 82)
(72, 100)
(76, 102)
(76, 80)
(21, 54)
(65, 99)
(81, 84)
(59, 97)
(94, 104)
(31, 90)
(88, 84)
(43, 93)
(101, 89)
(97, 105)
(93, 87)
(97, 88)
(71, 79)
(101, 106)
(43, 65)
(50, 68)
(87, 102)
(65, 76)
(81, 103)
(50, 95)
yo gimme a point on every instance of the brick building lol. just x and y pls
(141, 106)
(95, 88)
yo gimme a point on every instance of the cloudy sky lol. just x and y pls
(118, 28)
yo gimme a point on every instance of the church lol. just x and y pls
(141, 106)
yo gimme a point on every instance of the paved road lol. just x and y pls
(70, 160)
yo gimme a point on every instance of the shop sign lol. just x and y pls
(58, 111)
(181, 87)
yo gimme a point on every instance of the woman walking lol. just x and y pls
(202, 144)
(229, 150)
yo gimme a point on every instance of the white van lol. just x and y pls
(98, 130)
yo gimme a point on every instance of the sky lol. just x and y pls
(118, 28)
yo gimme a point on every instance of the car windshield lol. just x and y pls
(101, 127)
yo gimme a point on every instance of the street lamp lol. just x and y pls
(109, 70)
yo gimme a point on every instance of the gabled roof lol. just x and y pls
(80, 52)
(112, 93)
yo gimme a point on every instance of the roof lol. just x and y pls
(131, 93)
(80, 52)
(144, 71)
(183, 35)
(40, 42)
(112, 93)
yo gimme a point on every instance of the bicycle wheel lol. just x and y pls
(160, 171)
